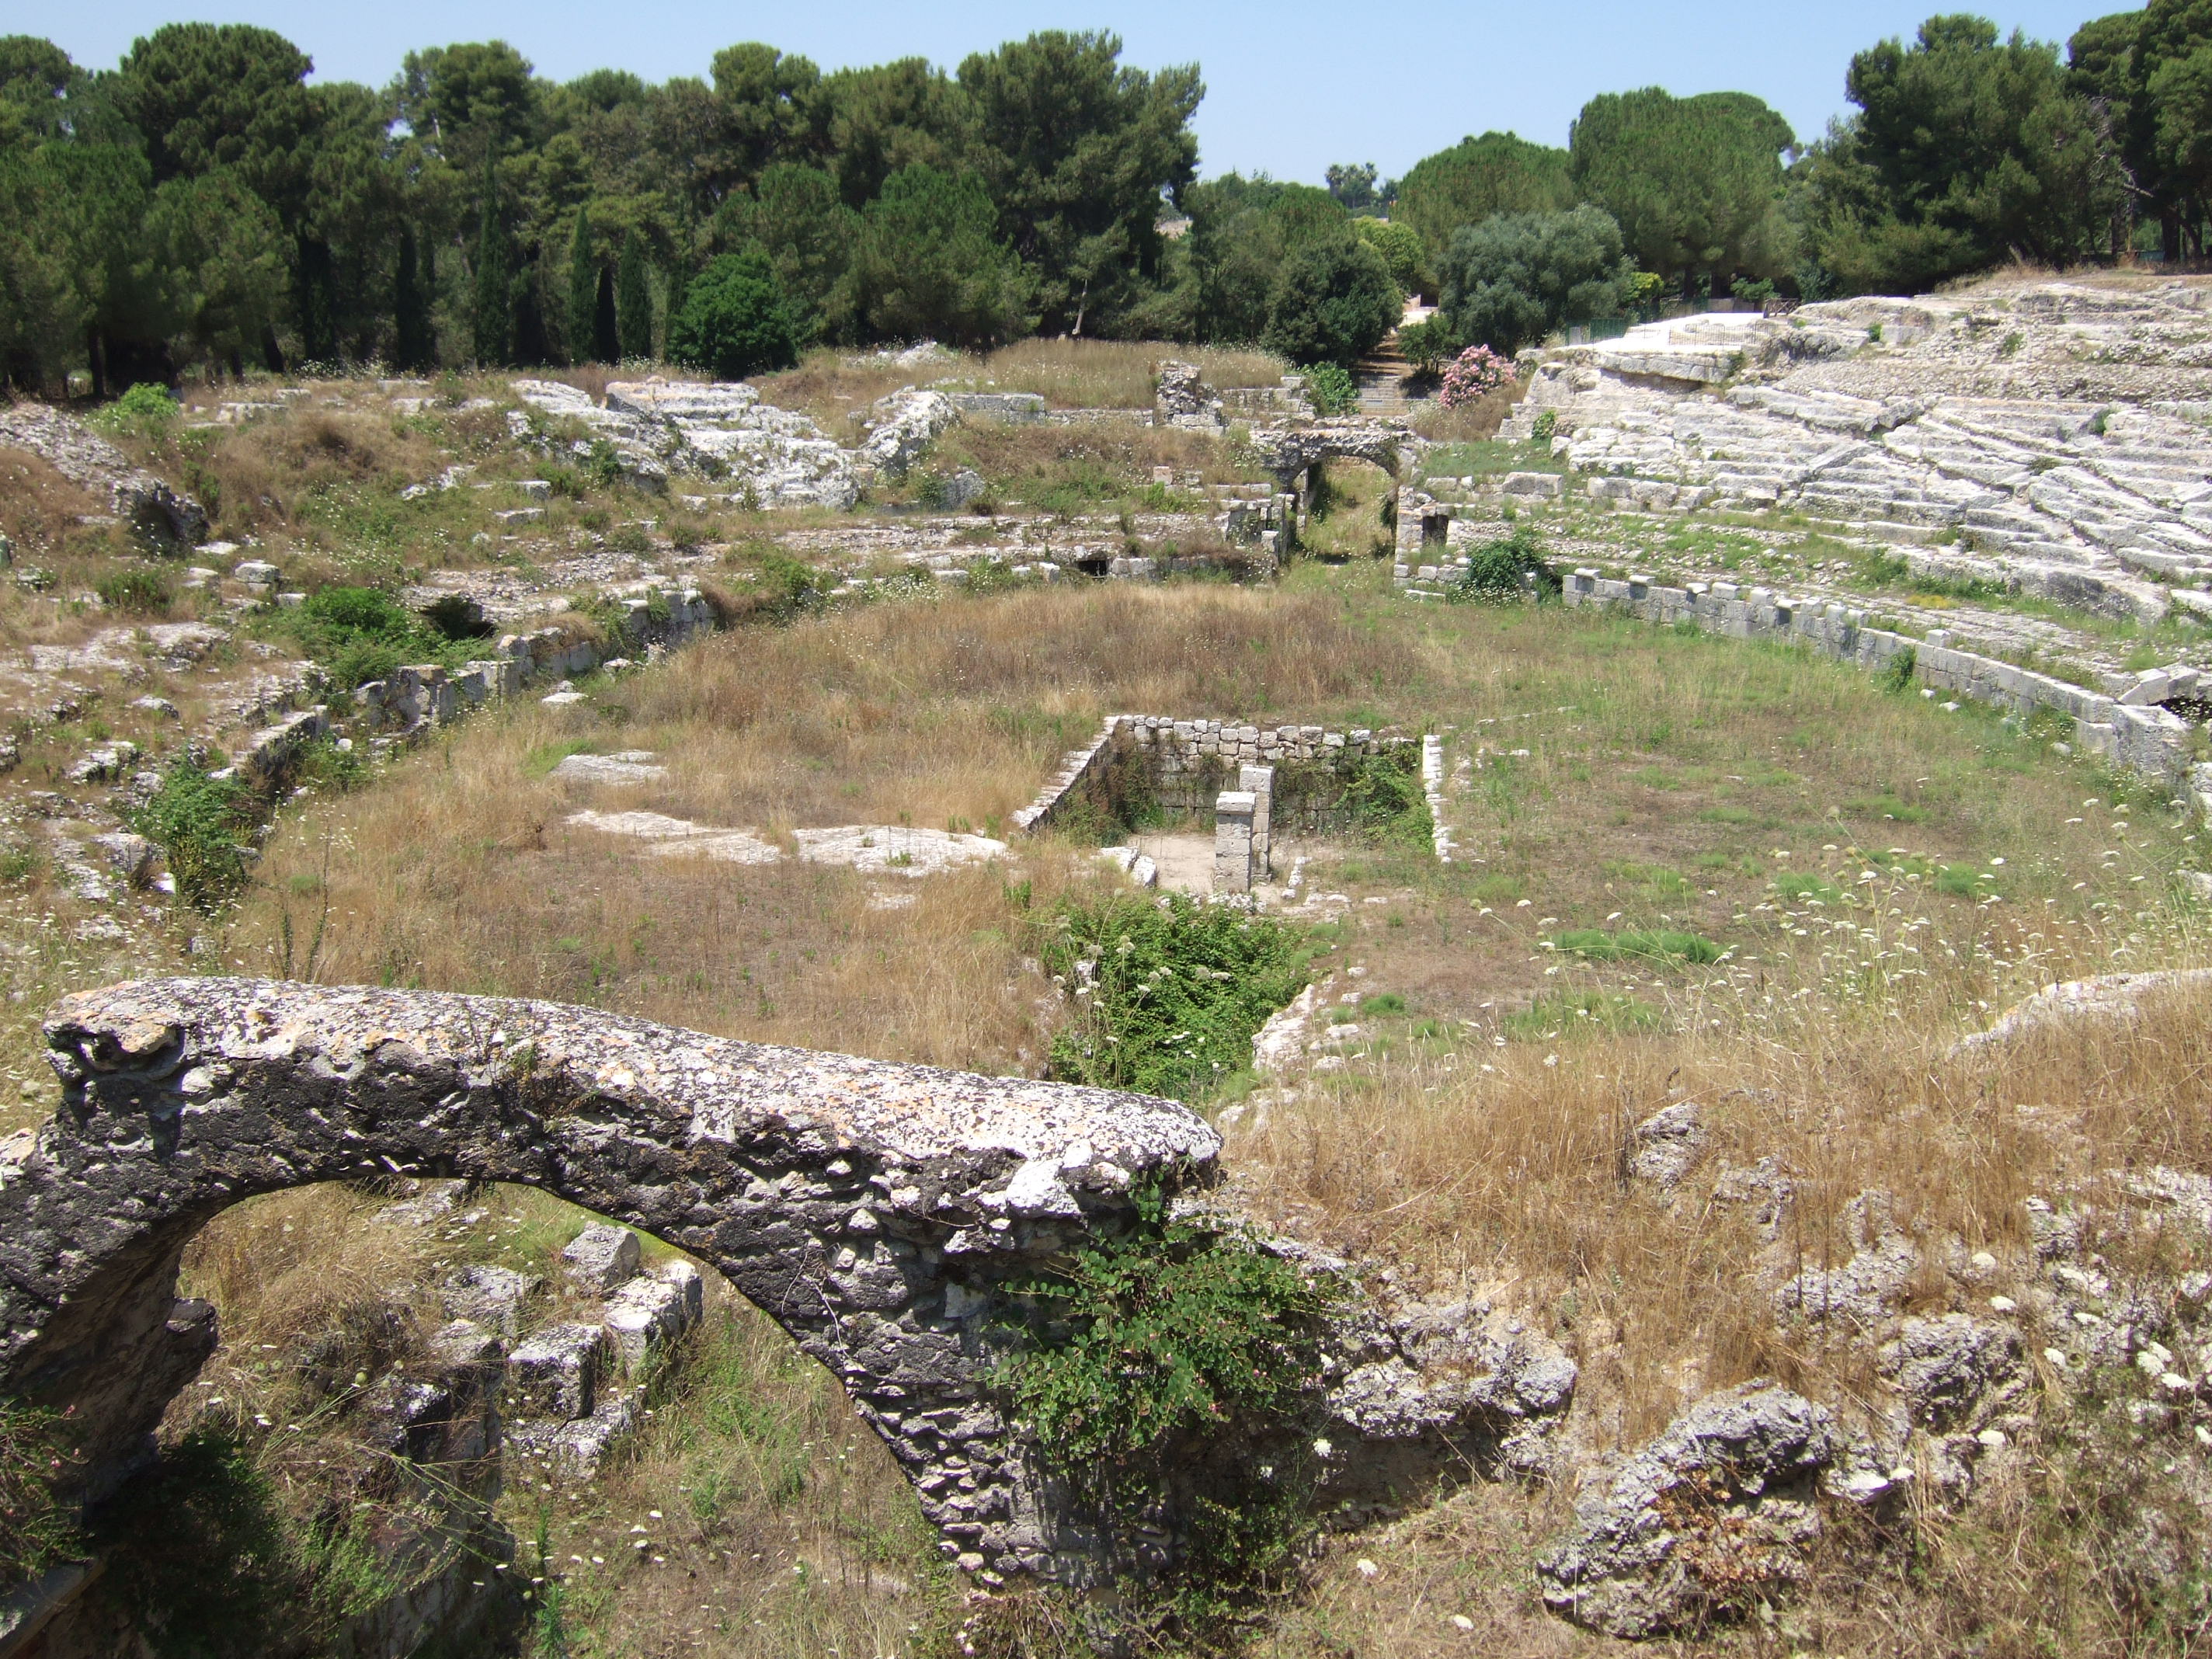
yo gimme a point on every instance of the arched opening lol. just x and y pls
(367, 1447)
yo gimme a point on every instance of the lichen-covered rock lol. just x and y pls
(650, 1309)
(1666, 1146)
(601, 1257)
(1720, 1507)
(1952, 1371)
(1863, 1289)
(2106, 997)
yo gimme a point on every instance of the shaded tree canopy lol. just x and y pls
(1077, 153)
(1516, 277)
(1476, 177)
(1333, 303)
(1965, 149)
(1695, 184)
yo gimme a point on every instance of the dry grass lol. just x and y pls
(775, 1523)
(1116, 373)
(1089, 468)
(1469, 1141)
(459, 873)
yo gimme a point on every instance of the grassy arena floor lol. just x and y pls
(1873, 877)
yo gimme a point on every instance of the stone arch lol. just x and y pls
(1291, 452)
(873, 1210)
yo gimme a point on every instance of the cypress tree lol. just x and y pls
(633, 301)
(606, 342)
(583, 292)
(493, 283)
(411, 311)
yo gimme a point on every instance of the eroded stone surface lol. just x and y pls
(898, 849)
(680, 838)
(86, 459)
(875, 1210)
(1722, 1503)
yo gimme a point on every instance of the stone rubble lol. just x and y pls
(723, 432)
(1726, 1499)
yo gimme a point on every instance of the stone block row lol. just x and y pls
(2144, 738)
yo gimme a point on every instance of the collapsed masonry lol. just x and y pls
(882, 1214)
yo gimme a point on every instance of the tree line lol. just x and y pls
(202, 208)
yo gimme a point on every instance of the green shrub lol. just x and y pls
(1403, 251)
(1144, 1353)
(1506, 568)
(1167, 994)
(1383, 795)
(1429, 344)
(1512, 279)
(199, 822)
(735, 320)
(135, 588)
(359, 634)
(1331, 389)
(1898, 676)
(146, 411)
(1169, 1329)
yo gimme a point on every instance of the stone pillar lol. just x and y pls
(1259, 782)
(1232, 841)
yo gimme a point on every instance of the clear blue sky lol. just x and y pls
(1290, 86)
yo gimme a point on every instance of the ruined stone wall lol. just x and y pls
(1180, 766)
(885, 1215)
(411, 698)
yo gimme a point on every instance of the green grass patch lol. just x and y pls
(1886, 807)
(1581, 1013)
(1802, 885)
(200, 821)
(1659, 945)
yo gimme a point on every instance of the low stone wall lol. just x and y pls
(1182, 767)
(421, 695)
(2142, 737)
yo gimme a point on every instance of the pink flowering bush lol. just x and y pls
(1474, 373)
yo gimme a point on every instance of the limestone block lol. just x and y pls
(1544, 485)
(653, 1309)
(601, 1257)
(1259, 782)
(489, 1295)
(1233, 811)
(557, 1372)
